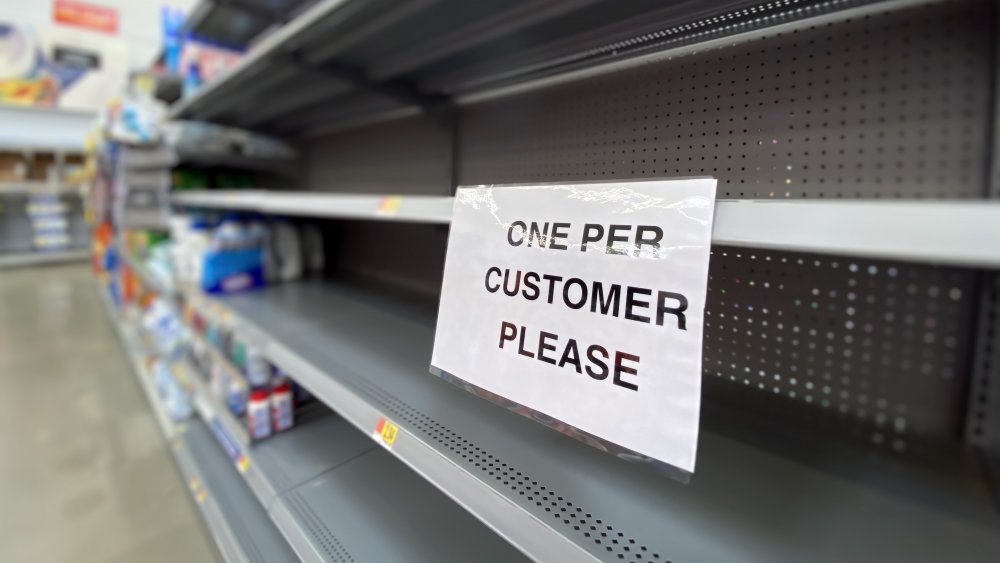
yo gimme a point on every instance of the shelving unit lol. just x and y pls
(56, 232)
(329, 489)
(849, 371)
(510, 471)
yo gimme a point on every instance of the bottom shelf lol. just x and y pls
(336, 496)
(367, 355)
(241, 527)
(321, 491)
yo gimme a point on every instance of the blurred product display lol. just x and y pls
(41, 209)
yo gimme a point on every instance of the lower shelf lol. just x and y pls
(336, 496)
(366, 356)
(242, 528)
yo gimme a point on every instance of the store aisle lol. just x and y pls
(84, 472)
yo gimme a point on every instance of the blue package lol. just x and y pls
(173, 21)
(229, 271)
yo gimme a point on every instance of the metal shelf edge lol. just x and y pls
(953, 233)
(210, 511)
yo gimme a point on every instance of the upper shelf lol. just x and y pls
(939, 232)
(234, 23)
(347, 60)
(366, 356)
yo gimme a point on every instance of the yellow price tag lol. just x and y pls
(386, 431)
(389, 205)
(243, 463)
(198, 490)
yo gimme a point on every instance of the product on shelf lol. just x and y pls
(164, 327)
(258, 369)
(282, 408)
(50, 227)
(259, 414)
(222, 257)
(175, 399)
(283, 253)
(219, 381)
(236, 396)
(192, 79)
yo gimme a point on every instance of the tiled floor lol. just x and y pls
(85, 475)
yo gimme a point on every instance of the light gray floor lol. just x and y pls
(85, 475)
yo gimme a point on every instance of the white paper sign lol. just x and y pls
(585, 303)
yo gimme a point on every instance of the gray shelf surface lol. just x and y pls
(335, 495)
(373, 508)
(557, 499)
(242, 527)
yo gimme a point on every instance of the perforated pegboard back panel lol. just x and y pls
(407, 156)
(875, 351)
(983, 420)
(890, 105)
(887, 105)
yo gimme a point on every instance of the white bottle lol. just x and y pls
(282, 407)
(257, 367)
(220, 381)
(259, 414)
